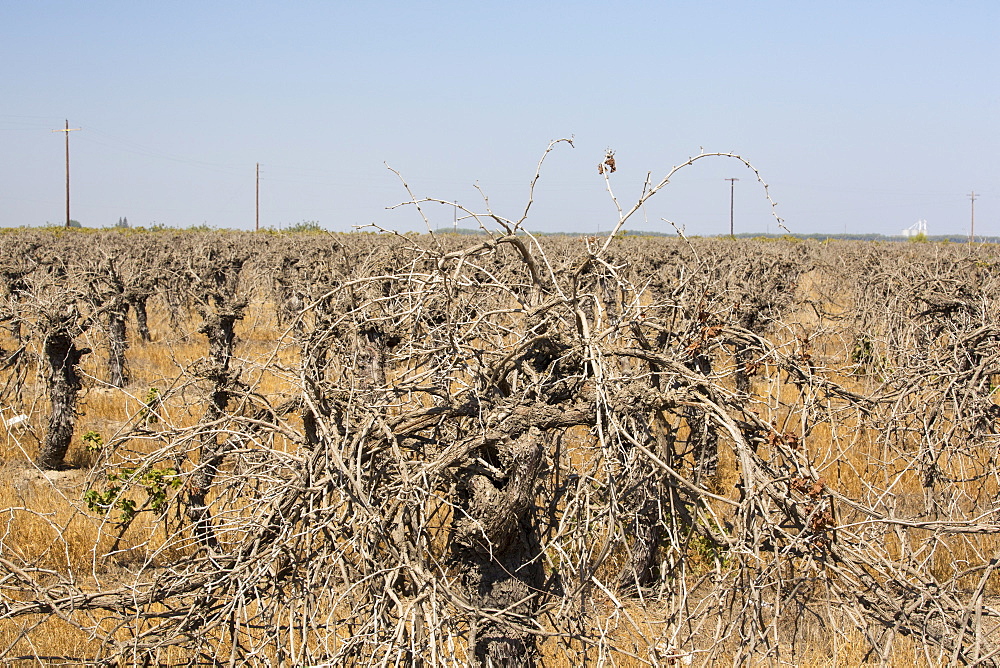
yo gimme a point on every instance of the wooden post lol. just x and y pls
(67, 130)
(972, 222)
(732, 186)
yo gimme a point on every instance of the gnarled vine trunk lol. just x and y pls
(63, 379)
(220, 329)
(117, 344)
(138, 304)
(497, 553)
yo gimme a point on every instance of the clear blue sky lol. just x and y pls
(862, 116)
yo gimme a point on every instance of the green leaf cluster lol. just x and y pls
(93, 441)
(156, 482)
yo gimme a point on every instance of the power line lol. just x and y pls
(129, 146)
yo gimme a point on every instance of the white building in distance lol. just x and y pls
(919, 227)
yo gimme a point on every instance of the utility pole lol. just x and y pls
(732, 192)
(972, 223)
(67, 130)
(454, 222)
(256, 226)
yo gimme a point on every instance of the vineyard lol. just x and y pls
(226, 448)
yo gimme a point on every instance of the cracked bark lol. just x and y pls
(138, 304)
(220, 329)
(117, 345)
(496, 550)
(63, 379)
